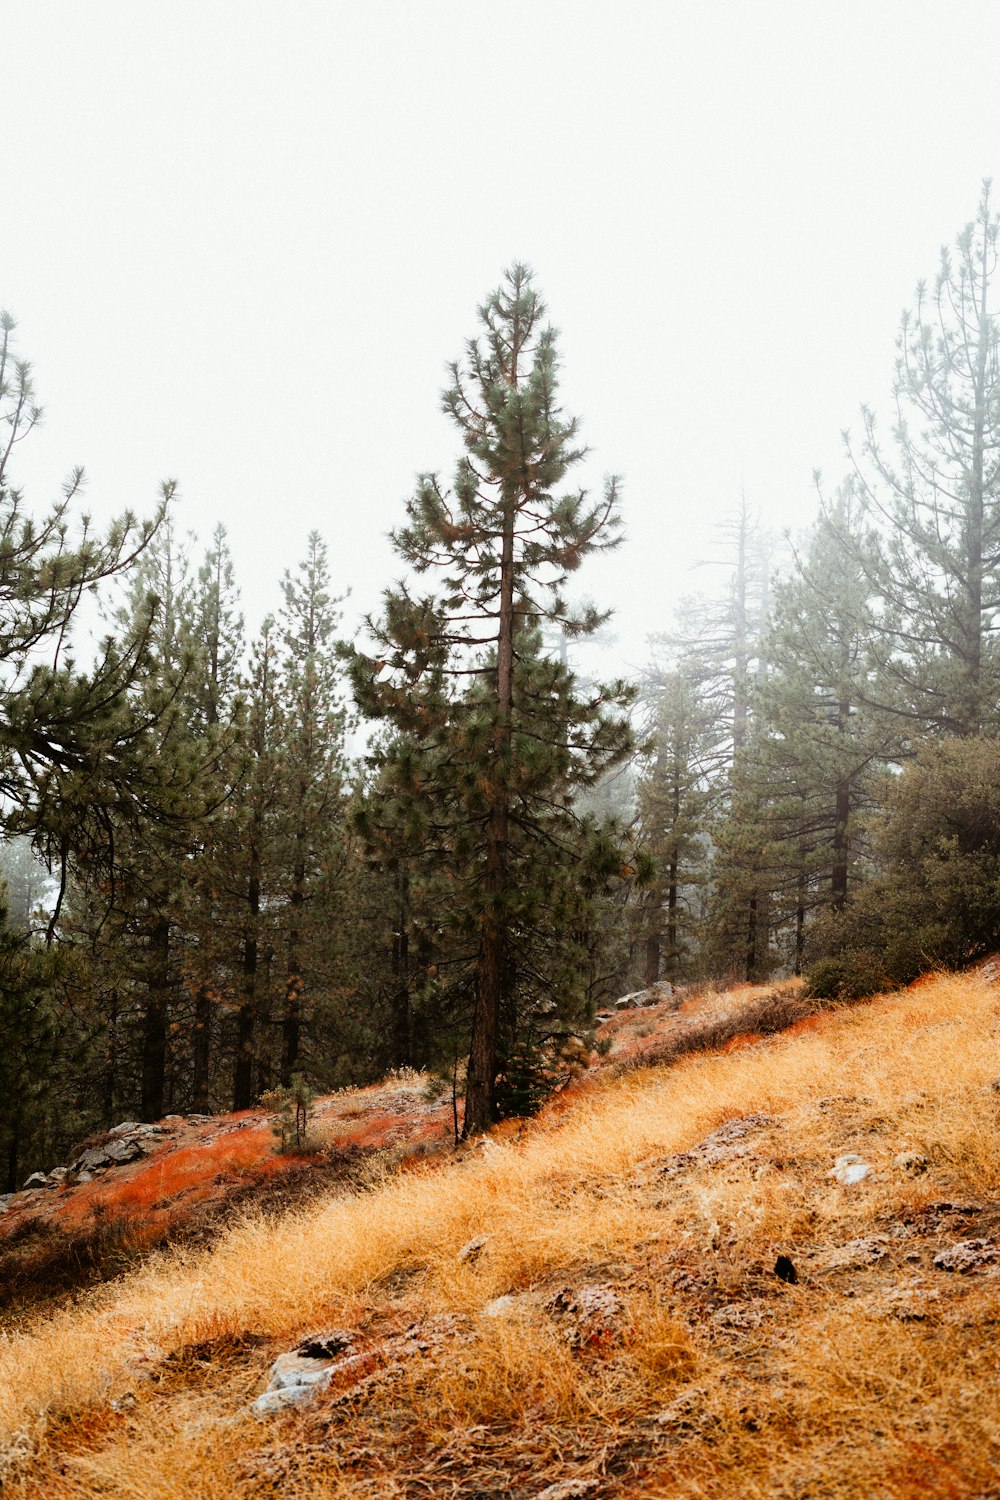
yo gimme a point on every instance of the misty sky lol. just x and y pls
(243, 239)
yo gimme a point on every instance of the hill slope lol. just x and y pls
(656, 1289)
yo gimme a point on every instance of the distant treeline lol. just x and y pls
(805, 778)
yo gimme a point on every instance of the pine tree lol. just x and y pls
(210, 690)
(934, 555)
(674, 798)
(249, 840)
(313, 781)
(507, 753)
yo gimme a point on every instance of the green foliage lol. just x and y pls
(936, 899)
(492, 742)
(293, 1106)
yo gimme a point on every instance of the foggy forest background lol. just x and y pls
(241, 854)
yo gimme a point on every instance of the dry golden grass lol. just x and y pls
(802, 1391)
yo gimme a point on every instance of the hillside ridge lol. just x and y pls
(777, 1259)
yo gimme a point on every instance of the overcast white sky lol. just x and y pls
(242, 239)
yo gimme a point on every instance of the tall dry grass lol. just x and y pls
(822, 1387)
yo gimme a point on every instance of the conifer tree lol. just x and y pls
(674, 795)
(495, 728)
(313, 780)
(249, 838)
(934, 496)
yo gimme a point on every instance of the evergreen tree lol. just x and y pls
(313, 782)
(674, 797)
(506, 754)
(934, 555)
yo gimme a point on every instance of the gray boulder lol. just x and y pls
(94, 1160)
(36, 1180)
(121, 1151)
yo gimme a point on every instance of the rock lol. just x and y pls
(35, 1181)
(910, 1162)
(6, 1199)
(58, 1176)
(590, 1315)
(121, 1151)
(966, 1256)
(138, 1129)
(565, 1489)
(331, 1360)
(500, 1307)
(910, 1302)
(298, 1376)
(473, 1249)
(850, 1169)
(633, 1001)
(866, 1250)
(729, 1143)
(94, 1160)
(83, 1176)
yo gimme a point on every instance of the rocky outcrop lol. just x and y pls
(338, 1362)
(126, 1143)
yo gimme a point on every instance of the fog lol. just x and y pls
(242, 241)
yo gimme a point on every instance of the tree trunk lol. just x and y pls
(154, 1029)
(402, 1050)
(246, 1019)
(201, 1050)
(291, 1024)
(481, 1079)
(13, 1154)
(842, 815)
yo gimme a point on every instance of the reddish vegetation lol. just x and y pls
(198, 1167)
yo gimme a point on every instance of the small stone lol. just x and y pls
(58, 1176)
(966, 1256)
(500, 1307)
(866, 1250)
(910, 1162)
(590, 1314)
(850, 1169)
(5, 1201)
(35, 1181)
(473, 1249)
(127, 1127)
(566, 1489)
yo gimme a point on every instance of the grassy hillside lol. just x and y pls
(645, 1344)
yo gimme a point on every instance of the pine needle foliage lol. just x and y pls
(493, 740)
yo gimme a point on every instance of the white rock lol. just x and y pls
(292, 1380)
(500, 1307)
(36, 1180)
(850, 1169)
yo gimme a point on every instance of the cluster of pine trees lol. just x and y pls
(234, 859)
(244, 883)
(800, 721)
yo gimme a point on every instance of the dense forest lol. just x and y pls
(235, 859)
